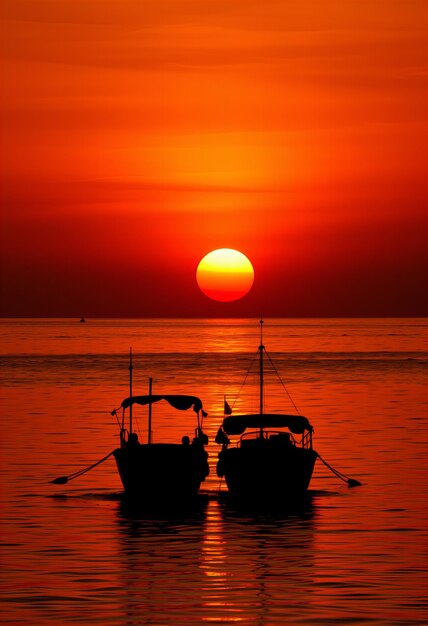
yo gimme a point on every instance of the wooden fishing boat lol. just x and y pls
(164, 473)
(273, 459)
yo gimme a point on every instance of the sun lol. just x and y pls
(225, 275)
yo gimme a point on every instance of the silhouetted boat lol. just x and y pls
(267, 462)
(82, 320)
(164, 473)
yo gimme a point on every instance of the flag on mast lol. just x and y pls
(227, 409)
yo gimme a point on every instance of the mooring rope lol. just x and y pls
(62, 480)
(352, 482)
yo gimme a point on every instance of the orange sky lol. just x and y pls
(138, 136)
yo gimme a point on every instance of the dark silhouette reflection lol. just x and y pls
(302, 506)
(140, 514)
(267, 558)
(216, 562)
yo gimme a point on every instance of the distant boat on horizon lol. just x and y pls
(82, 320)
(267, 463)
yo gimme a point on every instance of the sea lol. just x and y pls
(78, 553)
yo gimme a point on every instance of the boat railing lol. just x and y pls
(278, 436)
(307, 439)
(274, 436)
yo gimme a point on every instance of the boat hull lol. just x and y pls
(262, 472)
(162, 473)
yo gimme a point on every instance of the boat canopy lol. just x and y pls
(182, 403)
(237, 424)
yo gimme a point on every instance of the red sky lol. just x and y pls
(138, 136)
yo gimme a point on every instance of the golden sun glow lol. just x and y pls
(225, 275)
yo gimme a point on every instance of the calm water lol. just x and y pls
(76, 554)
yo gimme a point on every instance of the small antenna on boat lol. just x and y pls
(261, 348)
(130, 390)
(149, 424)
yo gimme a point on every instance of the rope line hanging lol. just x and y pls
(352, 482)
(62, 480)
(282, 382)
(245, 380)
(277, 374)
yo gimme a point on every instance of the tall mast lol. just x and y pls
(261, 348)
(130, 390)
(149, 426)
